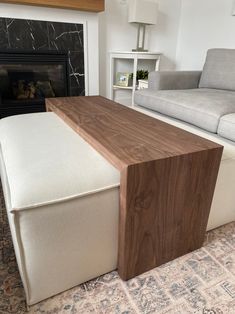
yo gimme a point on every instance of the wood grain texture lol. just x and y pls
(82, 5)
(165, 206)
(168, 178)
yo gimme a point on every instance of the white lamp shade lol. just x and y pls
(143, 11)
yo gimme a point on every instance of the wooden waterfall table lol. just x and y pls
(167, 183)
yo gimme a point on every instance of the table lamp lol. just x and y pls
(142, 12)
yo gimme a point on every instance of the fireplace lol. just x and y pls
(39, 59)
(27, 78)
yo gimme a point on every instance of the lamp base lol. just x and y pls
(140, 43)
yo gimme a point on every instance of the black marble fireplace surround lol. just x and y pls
(45, 39)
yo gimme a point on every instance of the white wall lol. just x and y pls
(164, 36)
(204, 24)
(70, 16)
(117, 34)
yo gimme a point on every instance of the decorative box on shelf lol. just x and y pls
(143, 84)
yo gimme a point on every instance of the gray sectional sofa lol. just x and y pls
(202, 103)
(205, 99)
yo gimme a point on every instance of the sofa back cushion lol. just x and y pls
(219, 70)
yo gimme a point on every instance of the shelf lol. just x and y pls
(136, 52)
(122, 87)
(135, 60)
(136, 55)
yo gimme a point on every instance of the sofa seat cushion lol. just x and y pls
(201, 107)
(51, 162)
(226, 127)
(219, 69)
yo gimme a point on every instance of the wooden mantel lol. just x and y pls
(83, 5)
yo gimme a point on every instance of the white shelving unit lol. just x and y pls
(133, 59)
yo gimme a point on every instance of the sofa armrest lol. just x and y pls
(160, 80)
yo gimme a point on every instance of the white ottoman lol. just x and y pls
(62, 200)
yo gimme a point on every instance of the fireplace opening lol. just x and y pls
(27, 78)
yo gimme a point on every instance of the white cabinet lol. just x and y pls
(130, 62)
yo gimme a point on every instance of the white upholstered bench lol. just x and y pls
(62, 200)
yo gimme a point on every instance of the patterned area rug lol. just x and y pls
(199, 282)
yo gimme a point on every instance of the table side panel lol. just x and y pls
(165, 206)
